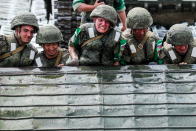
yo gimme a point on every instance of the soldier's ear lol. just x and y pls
(17, 29)
(131, 32)
(94, 19)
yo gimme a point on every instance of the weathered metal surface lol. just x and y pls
(66, 19)
(98, 98)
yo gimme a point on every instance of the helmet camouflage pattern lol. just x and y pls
(49, 34)
(105, 11)
(179, 34)
(25, 19)
(139, 18)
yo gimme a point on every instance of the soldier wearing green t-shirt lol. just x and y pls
(86, 6)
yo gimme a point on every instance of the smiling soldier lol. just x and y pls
(15, 49)
(97, 43)
(49, 37)
(179, 46)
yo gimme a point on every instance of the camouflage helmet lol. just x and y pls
(179, 34)
(139, 18)
(105, 11)
(25, 19)
(49, 34)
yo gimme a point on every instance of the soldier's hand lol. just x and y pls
(167, 46)
(123, 28)
(60, 65)
(116, 63)
(97, 3)
(73, 62)
(182, 63)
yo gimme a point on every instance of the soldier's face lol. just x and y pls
(102, 25)
(182, 49)
(26, 33)
(51, 50)
(139, 33)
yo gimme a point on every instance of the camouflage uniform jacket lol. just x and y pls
(42, 61)
(103, 51)
(170, 56)
(133, 55)
(119, 5)
(22, 58)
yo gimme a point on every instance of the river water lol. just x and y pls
(10, 8)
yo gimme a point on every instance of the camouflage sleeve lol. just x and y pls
(119, 5)
(191, 55)
(164, 54)
(76, 4)
(65, 57)
(118, 51)
(3, 45)
(74, 40)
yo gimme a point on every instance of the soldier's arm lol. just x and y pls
(64, 58)
(3, 45)
(120, 8)
(81, 6)
(191, 55)
(122, 16)
(73, 60)
(72, 52)
(164, 53)
(73, 47)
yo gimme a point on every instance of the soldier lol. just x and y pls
(97, 43)
(52, 55)
(141, 43)
(15, 49)
(86, 6)
(178, 47)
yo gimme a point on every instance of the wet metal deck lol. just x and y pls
(129, 98)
